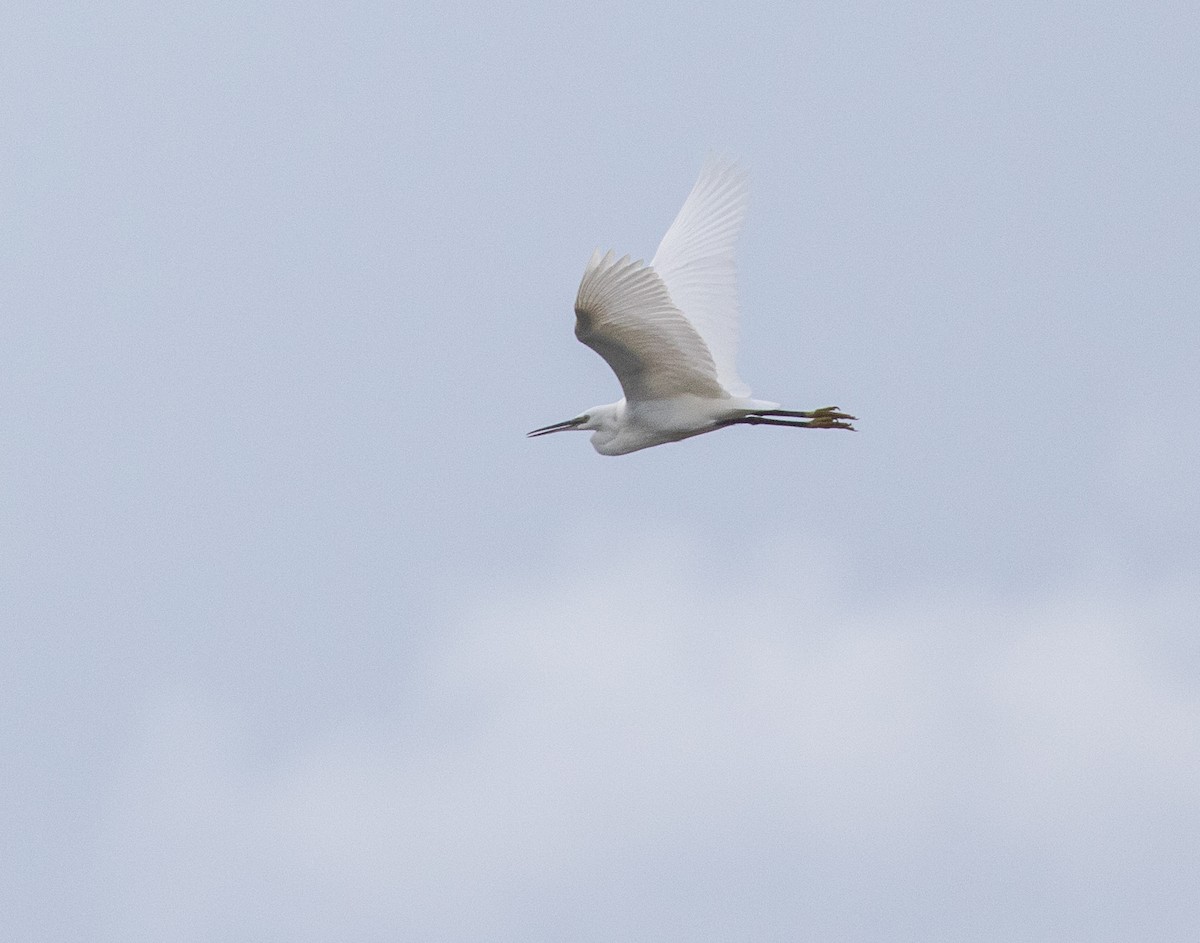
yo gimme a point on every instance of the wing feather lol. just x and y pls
(624, 312)
(696, 263)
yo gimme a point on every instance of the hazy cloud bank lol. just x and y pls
(642, 752)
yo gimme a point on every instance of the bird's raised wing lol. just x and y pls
(624, 313)
(695, 261)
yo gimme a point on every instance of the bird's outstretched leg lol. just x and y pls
(825, 412)
(828, 417)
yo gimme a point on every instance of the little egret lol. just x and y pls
(669, 331)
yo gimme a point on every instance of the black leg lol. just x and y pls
(826, 412)
(823, 422)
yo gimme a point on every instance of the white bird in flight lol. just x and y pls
(669, 331)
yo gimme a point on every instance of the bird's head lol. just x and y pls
(603, 420)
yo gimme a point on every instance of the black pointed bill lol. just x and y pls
(559, 427)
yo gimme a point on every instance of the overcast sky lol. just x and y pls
(304, 641)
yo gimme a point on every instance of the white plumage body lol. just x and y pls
(639, 424)
(668, 330)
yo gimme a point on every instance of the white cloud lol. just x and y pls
(641, 752)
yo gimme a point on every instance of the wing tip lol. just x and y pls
(722, 168)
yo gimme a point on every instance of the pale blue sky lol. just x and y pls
(305, 641)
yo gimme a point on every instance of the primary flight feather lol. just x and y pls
(668, 330)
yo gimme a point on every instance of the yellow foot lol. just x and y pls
(829, 417)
